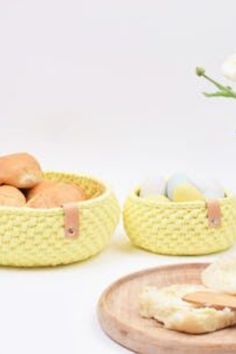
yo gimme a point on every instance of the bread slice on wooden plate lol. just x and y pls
(167, 306)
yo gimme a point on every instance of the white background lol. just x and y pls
(108, 88)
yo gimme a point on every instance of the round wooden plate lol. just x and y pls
(119, 317)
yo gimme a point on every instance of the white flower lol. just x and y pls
(229, 68)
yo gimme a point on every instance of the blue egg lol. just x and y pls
(210, 188)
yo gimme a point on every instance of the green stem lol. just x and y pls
(219, 94)
(214, 82)
(223, 91)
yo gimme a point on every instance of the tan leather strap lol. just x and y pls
(214, 213)
(71, 219)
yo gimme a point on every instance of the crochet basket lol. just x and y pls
(189, 228)
(38, 237)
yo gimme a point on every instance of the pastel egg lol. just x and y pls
(186, 192)
(210, 188)
(174, 181)
(153, 186)
(158, 199)
(214, 192)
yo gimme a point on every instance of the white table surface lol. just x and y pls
(54, 310)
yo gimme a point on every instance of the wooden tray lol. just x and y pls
(119, 317)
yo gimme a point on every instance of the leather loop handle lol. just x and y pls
(214, 213)
(71, 218)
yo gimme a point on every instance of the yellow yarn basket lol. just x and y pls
(36, 237)
(178, 228)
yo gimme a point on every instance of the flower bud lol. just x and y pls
(229, 68)
(200, 71)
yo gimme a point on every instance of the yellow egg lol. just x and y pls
(158, 199)
(186, 193)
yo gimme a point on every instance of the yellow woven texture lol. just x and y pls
(178, 228)
(35, 237)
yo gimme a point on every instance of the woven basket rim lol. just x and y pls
(59, 211)
(176, 205)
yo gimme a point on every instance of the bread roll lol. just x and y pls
(40, 187)
(49, 194)
(11, 196)
(166, 306)
(19, 170)
(221, 275)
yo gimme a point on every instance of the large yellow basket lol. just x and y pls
(179, 228)
(36, 237)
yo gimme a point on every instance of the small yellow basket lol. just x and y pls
(37, 237)
(189, 228)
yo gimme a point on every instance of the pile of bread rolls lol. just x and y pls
(22, 185)
(180, 188)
